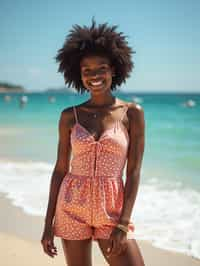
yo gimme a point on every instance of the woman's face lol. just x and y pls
(96, 73)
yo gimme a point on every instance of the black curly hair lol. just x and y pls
(95, 40)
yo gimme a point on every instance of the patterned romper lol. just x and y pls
(90, 198)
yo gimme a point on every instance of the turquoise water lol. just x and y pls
(166, 210)
(172, 147)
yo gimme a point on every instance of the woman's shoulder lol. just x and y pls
(133, 107)
(67, 111)
(135, 113)
(67, 116)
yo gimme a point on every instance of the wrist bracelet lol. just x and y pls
(122, 227)
(129, 227)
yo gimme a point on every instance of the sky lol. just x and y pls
(164, 34)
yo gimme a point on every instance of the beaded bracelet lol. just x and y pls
(122, 227)
(129, 227)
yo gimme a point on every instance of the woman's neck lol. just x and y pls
(102, 100)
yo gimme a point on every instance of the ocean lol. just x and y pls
(167, 207)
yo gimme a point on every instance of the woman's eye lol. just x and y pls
(86, 72)
(100, 70)
(103, 68)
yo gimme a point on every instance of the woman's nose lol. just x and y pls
(95, 73)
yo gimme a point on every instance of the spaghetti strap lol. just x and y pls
(75, 114)
(125, 108)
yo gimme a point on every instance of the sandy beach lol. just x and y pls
(20, 243)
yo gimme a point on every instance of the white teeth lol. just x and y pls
(96, 83)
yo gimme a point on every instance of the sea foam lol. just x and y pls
(166, 214)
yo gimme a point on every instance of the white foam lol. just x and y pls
(166, 214)
(26, 184)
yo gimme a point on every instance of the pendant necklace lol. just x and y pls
(95, 114)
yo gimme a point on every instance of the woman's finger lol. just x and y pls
(110, 247)
(49, 249)
(45, 247)
(124, 246)
(115, 246)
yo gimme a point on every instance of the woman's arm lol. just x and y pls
(134, 159)
(61, 166)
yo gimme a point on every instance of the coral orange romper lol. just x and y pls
(90, 198)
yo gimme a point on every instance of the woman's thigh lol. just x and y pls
(77, 252)
(130, 257)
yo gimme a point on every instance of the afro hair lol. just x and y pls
(95, 40)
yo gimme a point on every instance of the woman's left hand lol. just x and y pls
(118, 242)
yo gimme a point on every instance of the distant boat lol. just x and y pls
(51, 99)
(137, 99)
(189, 103)
(7, 98)
(23, 100)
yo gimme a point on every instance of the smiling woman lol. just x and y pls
(89, 201)
(96, 73)
(103, 41)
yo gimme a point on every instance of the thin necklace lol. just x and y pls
(95, 114)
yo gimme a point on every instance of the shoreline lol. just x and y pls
(20, 240)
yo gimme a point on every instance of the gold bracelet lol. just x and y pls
(122, 227)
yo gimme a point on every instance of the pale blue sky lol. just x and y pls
(165, 35)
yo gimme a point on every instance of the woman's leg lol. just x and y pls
(77, 252)
(130, 257)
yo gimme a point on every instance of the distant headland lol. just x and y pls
(61, 90)
(8, 87)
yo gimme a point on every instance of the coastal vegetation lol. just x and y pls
(9, 87)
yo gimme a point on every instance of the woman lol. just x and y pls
(88, 200)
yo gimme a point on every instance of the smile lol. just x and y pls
(96, 83)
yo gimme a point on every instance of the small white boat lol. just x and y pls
(24, 99)
(51, 99)
(189, 103)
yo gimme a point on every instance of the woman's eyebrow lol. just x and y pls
(101, 64)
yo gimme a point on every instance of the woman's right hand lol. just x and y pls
(47, 242)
